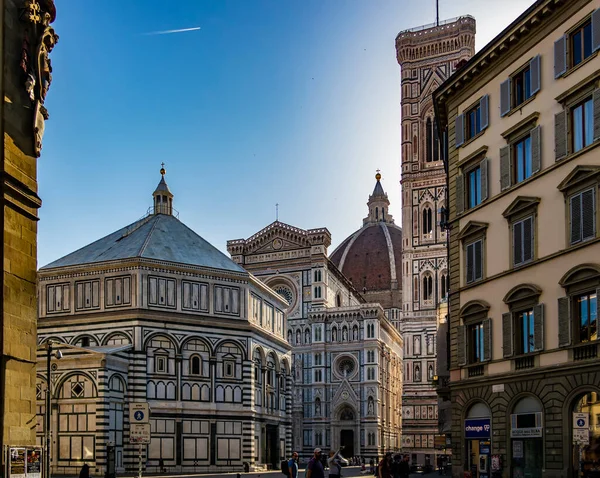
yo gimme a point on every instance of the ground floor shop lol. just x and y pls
(545, 427)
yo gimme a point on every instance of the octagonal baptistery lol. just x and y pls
(371, 258)
(153, 313)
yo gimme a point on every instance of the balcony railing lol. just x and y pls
(585, 352)
(475, 371)
(523, 363)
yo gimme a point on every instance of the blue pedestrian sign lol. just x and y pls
(580, 422)
(139, 412)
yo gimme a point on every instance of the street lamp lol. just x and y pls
(58, 354)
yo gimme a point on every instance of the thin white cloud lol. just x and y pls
(181, 30)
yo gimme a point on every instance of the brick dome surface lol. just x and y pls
(367, 259)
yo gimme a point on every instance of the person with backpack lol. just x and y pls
(290, 468)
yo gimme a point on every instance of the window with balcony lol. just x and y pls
(474, 337)
(578, 311)
(523, 325)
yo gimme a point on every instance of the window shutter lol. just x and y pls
(487, 340)
(478, 273)
(460, 194)
(507, 335)
(588, 214)
(575, 207)
(560, 135)
(564, 322)
(560, 56)
(483, 169)
(505, 98)
(596, 30)
(462, 346)
(517, 243)
(538, 327)
(459, 130)
(536, 149)
(484, 111)
(505, 168)
(535, 74)
(528, 239)
(469, 261)
(597, 114)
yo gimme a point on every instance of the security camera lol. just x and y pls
(59, 354)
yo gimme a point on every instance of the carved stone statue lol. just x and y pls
(44, 65)
(370, 406)
(334, 334)
(344, 334)
(355, 333)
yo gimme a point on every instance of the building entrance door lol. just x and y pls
(347, 441)
(272, 445)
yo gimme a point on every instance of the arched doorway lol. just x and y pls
(478, 434)
(585, 445)
(347, 422)
(527, 448)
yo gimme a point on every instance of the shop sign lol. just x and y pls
(476, 428)
(534, 432)
(24, 462)
(439, 441)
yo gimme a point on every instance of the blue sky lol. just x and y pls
(295, 102)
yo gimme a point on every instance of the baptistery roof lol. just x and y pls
(371, 257)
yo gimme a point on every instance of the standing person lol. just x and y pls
(372, 465)
(85, 471)
(315, 467)
(404, 467)
(335, 467)
(293, 466)
(385, 466)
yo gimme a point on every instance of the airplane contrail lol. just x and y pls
(181, 30)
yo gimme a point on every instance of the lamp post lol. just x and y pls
(47, 432)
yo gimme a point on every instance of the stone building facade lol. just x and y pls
(427, 56)
(347, 356)
(523, 124)
(154, 313)
(26, 41)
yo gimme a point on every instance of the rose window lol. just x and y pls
(346, 367)
(285, 292)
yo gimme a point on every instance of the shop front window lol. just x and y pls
(526, 433)
(585, 459)
(478, 436)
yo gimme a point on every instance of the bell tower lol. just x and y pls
(427, 56)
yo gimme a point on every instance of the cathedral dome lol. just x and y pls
(371, 258)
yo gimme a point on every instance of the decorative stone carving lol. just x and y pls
(38, 73)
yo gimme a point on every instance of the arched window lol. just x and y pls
(429, 140)
(195, 365)
(427, 287)
(444, 286)
(377, 213)
(383, 214)
(427, 221)
(338, 300)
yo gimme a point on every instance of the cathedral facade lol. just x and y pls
(347, 356)
(154, 313)
(427, 56)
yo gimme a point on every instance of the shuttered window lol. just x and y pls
(523, 241)
(476, 119)
(582, 209)
(573, 49)
(474, 261)
(57, 298)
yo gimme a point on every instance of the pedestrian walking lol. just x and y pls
(315, 467)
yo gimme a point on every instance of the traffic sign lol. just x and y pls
(139, 433)
(139, 412)
(581, 421)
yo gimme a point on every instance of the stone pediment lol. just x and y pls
(472, 228)
(345, 394)
(276, 237)
(579, 175)
(520, 204)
